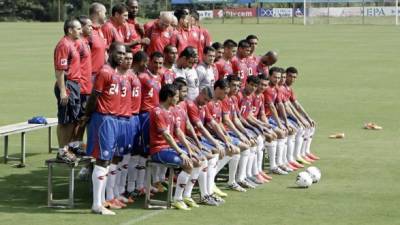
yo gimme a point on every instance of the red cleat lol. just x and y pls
(308, 159)
(266, 176)
(261, 178)
(296, 164)
(312, 156)
(294, 168)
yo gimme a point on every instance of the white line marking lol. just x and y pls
(144, 217)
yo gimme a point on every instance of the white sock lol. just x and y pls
(192, 181)
(298, 143)
(181, 182)
(244, 158)
(162, 172)
(141, 173)
(104, 185)
(284, 153)
(99, 177)
(132, 173)
(211, 172)
(250, 163)
(272, 147)
(221, 163)
(290, 149)
(260, 155)
(311, 134)
(306, 139)
(117, 180)
(279, 151)
(111, 182)
(124, 173)
(233, 165)
(155, 170)
(203, 179)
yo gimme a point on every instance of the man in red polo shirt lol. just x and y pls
(170, 57)
(116, 28)
(159, 32)
(135, 38)
(252, 59)
(224, 65)
(97, 42)
(239, 62)
(204, 35)
(67, 91)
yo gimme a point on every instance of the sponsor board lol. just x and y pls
(203, 13)
(235, 12)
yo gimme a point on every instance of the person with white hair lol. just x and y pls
(159, 32)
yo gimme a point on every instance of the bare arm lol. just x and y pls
(60, 76)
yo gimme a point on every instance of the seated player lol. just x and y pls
(163, 147)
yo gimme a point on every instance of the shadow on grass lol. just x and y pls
(17, 155)
(296, 187)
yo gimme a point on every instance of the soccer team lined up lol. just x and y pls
(164, 92)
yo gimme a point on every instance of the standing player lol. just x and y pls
(224, 64)
(252, 59)
(185, 68)
(159, 32)
(219, 50)
(133, 12)
(204, 35)
(67, 91)
(206, 70)
(135, 34)
(116, 28)
(102, 109)
(239, 62)
(184, 36)
(170, 57)
(97, 42)
(266, 61)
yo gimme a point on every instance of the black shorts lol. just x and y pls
(84, 99)
(69, 113)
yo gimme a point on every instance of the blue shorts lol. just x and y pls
(102, 136)
(235, 139)
(134, 134)
(272, 122)
(144, 148)
(123, 140)
(292, 121)
(168, 156)
(206, 144)
(69, 113)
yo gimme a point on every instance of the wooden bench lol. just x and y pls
(51, 163)
(23, 128)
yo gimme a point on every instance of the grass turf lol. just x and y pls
(347, 77)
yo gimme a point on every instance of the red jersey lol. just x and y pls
(139, 30)
(113, 32)
(167, 76)
(160, 120)
(258, 105)
(107, 83)
(136, 94)
(215, 110)
(239, 68)
(180, 116)
(180, 39)
(204, 40)
(97, 44)
(262, 69)
(245, 104)
(290, 93)
(158, 38)
(270, 96)
(133, 35)
(229, 108)
(282, 93)
(252, 64)
(197, 114)
(82, 45)
(224, 68)
(66, 58)
(151, 85)
(125, 83)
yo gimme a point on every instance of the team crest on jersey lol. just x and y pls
(166, 34)
(64, 62)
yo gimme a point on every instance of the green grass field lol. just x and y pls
(348, 76)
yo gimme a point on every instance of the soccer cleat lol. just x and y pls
(125, 200)
(337, 136)
(284, 168)
(253, 181)
(265, 175)
(372, 126)
(179, 204)
(291, 167)
(190, 202)
(111, 204)
(103, 211)
(312, 156)
(66, 155)
(120, 203)
(296, 164)
(308, 159)
(216, 198)
(218, 192)
(278, 171)
(160, 188)
(245, 184)
(262, 178)
(236, 187)
(303, 161)
(208, 200)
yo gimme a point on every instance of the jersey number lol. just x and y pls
(113, 89)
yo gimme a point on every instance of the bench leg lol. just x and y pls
(71, 188)
(148, 185)
(170, 186)
(50, 140)
(23, 150)
(5, 149)
(50, 185)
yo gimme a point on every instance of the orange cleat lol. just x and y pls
(296, 164)
(312, 156)
(265, 175)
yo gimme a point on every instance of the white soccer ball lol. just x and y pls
(315, 173)
(304, 180)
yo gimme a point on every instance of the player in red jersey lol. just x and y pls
(224, 65)
(183, 37)
(266, 61)
(252, 59)
(232, 155)
(170, 57)
(239, 62)
(66, 89)
(133, 12)
(135, 35)
(204, 36)
(219, 50)
(308, 122)
(97, 42)
(116, 28)
(103, 130)
(163, 147)
(159, 32)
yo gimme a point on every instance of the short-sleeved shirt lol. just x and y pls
(258, 105)
(180, 39)
(151, 85)
(107, 85)
(239, 68)
(180, 116)
(98, 45)
(245, 104)
(290, 93)
(167, 75)
(197, 114)
(125, 108)
(113, 32)
(133, 35)
(160, 120)
(229, 108)
(192, 80)
(85, 82)
(136, 97)
(158, 38)
(215, 109)
(252, 64)
(204, 40)
(224, 68)
(262, 69)
(282, 93)
(67, 58)
(270, 96)
(207, 74)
